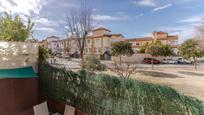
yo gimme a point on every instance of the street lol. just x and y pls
(75, 64)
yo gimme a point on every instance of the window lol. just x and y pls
(137, 44)
(88, 41)
(108, 42)
(87, 50)
(174, 42)
(97, 43)
(97, 50)
(90, 50)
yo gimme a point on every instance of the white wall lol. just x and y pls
(18, 54)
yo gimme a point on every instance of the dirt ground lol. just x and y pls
(187, 81)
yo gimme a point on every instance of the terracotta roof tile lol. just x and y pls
(140, 39)
(101, 29)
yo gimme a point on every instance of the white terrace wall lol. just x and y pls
(137, 58)
(18, 54)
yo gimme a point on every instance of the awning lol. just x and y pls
(26, 72)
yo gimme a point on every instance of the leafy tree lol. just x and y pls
(154, 50)
(167, 50)
(143, 48)
(123, 69)
(43, 54)
(92, 63)
(121, 48)
(14, 29)
(51, 55)
(191, 49)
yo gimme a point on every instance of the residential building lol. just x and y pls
(200, 39)
(52, 44)
(72, 47)
(32, 40)
(99, 42)
(163, 37)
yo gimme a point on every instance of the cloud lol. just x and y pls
(194, 19)
(99, 17)
(26, 7)
(139, 15)
(46, 29)
(120, 13)
(189, 30)
(162, 7)
(185, 32)
(94, 9)
(46, 22)
(146, 35)
(146, 3)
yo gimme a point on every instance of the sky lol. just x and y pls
(132, 18)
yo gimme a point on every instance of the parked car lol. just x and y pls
(149, 61)
(183, 61)
(168, 61)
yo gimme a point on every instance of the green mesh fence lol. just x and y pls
(109, 95)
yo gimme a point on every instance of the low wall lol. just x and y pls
(18, 95)
(18, 54)
(138, 58)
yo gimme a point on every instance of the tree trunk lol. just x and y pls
(120, 60)
(83, 45)
(152, 61)
(51, 59)
(81, 53)
(195, 63)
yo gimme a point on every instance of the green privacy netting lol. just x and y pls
(109, 95)
(26, 72)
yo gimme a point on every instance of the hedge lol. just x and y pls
(109, 95)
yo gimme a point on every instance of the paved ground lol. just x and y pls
(75, 64)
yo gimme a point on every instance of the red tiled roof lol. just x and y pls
(140, 39)
(114, 35)
(173, 37)
(160, 32)
(101, 29)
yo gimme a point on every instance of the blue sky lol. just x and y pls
(132, 18)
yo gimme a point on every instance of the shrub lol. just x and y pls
(43, 54)
(124, 69)
(14, 28)
(92, 63)
(108, 95)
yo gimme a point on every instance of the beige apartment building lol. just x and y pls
(99, 43)
(163, 37)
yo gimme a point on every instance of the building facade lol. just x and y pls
(52, 43)
(99, 42)
(163, 37)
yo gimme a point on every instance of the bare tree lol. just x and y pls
(123, 69)
(201, 27)
(200, 35)
(79, 24)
